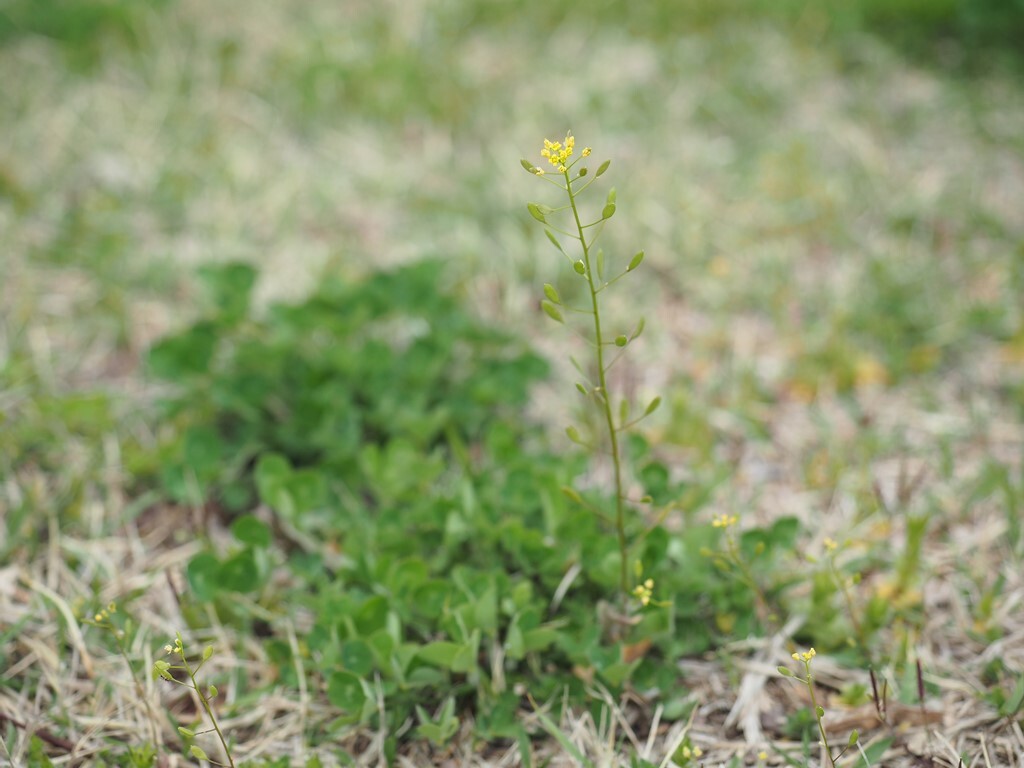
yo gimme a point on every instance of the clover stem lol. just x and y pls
(620, 515)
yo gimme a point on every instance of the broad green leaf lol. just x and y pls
(346, 692)
(203, 572)
(453, 656)
(239, 573)
(187, 354)
(357, 657)
(249, 529)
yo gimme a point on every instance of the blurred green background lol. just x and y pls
(842, 180)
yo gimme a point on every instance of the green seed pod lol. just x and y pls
(536, 212)
(621, 340)
(580, 267)
(635, 261)
(602, 168)
(552, 311)
(608, 211)
(572, 494)
(652, 406)
(552, 294)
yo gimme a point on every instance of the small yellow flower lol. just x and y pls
(558, 154)
(724, 521)
(762, 755)
(805, 657)
(830, 544)
(539, 171)
(644, 592)
(587, 151)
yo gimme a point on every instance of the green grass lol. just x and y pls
(273, 374)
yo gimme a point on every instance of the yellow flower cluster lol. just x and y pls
(695, 753)
(557, 153)
(724, 521)
(830, 544)
(103, 615)
(805, 657)
(644, 592)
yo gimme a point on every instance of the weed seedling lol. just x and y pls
(819, 711)
(164, 670)
(573, 178)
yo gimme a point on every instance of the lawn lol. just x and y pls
(298, 468)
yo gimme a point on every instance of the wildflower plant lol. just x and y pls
(805, 658)
(165, 669)
(572, 176)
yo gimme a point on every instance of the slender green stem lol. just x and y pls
(206, 706)
(605, 398)
(817, 716)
